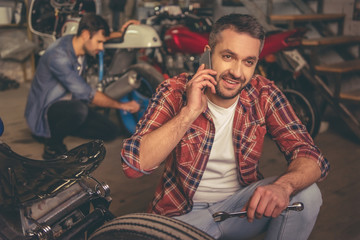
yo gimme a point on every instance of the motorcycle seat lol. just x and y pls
(115, 40)
(117, 37)
(23, 179)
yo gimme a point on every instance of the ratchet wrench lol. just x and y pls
(221, 216)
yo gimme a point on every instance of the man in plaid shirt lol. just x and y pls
(209, 130)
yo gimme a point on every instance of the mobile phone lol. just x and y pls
(205, 58)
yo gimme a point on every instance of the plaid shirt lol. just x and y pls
(261, 109)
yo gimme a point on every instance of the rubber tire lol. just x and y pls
(305, 110)
(146, 226)
(153, 77)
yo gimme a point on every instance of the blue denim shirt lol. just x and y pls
(57, 74)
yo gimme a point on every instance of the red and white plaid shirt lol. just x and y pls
(261, 109)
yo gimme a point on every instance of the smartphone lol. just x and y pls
(205, 58)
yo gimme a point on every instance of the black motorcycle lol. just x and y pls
(59, 199)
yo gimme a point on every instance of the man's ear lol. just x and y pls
(207, 47)
(85, 35)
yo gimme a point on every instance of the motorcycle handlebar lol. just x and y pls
(187, 17)
(166, 15)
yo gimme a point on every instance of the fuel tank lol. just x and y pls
(136, 36)
(179, 38)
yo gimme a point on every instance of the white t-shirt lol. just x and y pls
(81, 62)
(220, 178)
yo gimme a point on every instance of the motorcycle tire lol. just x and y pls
(305, 110)
(146, 226)
(150, 79)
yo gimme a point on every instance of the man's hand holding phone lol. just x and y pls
(195, 89)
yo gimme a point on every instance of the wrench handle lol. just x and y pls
(221, 216)
(297, 206)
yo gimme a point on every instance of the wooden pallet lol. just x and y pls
(340, 67)
(330, 41)
(353, 96)
(307, 17)
(337, 70)
(292, 20)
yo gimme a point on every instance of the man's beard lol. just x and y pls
(229, 76)
(89, 53)
(223, 96)
(93, 55)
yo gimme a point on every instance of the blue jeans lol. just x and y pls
(289, 225)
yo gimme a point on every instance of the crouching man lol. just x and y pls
(209, 129)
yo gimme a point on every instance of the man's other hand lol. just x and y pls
(268, 201)
(131, 107)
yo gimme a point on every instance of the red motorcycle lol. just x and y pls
(184, 36)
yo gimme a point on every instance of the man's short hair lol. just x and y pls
(241, 23)
(93, 23)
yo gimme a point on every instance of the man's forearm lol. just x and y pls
(101, 100)
(301, 173)
(157, 145)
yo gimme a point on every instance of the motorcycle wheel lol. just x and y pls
(305, 110)
(150, 79)
(146, 226)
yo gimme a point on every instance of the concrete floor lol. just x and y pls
(339, 215)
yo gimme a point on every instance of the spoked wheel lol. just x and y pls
(305, 110)
(145, 226)
(150, 78)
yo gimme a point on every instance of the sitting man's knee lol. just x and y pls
(311, 198)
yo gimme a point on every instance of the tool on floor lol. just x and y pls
(221, 216)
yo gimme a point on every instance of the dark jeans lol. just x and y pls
(76, 118)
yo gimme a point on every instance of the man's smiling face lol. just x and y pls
(234, 58)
